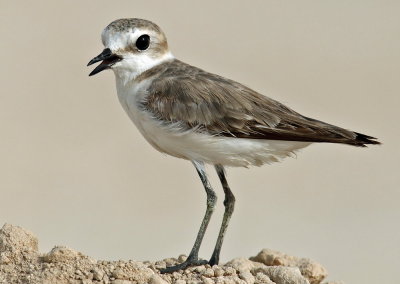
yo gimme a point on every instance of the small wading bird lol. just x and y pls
(191, 114)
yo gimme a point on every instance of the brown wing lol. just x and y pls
(184, 94)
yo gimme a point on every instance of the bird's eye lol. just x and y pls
(143, 42)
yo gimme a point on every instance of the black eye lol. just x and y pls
(143, 42)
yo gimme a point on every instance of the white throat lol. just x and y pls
(130, 67)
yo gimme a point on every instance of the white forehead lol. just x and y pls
(116, 40)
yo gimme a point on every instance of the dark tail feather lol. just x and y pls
(362, 140)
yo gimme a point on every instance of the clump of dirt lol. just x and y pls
(21, 262)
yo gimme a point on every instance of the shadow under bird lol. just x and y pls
(192, 114)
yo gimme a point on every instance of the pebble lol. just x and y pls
(106, 280)
(118, 273)
(208, 272)
(230, 271)
(182, 258)
(218, 271)
(156, 279)
(247, 277)
(97, 274)
(170, 261)
(208, 281)
(90, 276)
(160, 264)
(263, 279)
(119, 281)
(200, 269)
(195, 282)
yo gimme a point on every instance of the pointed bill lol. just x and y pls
(108, 59)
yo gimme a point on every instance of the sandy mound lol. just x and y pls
(20, 262)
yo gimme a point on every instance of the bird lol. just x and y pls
(192, 114)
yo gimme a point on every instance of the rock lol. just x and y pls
(170, 261)
(195, 282)
(200, 269)
(118, 274)
(261, 278)
(20, 262)
(14, 238)
(247, 276)
(60, 254)
(218, 271)
(241, 264)
(230, 271)
(156, 279)
(182, 258)
(119, 281)
(313, 271)
(283, 274)
(98, 274)
(208, 281)
(208, 272)
(16, 243)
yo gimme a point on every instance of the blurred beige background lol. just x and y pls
(75, 171)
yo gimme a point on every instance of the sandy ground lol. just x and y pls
(21, 262)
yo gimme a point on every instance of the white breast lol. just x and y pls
(191, 145)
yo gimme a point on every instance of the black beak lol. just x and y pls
(109, 59)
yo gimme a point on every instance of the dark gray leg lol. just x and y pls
(193, 258)
(229, 203)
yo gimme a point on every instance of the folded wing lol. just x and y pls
(215, 105)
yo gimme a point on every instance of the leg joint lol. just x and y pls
(229, 201)
(211, 198)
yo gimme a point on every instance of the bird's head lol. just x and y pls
(132, 46)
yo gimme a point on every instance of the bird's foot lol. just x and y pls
(213, 260)
(187, 263)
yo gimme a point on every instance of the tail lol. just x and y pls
(335, 134)
(362, 140)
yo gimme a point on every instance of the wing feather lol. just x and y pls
(180, 93)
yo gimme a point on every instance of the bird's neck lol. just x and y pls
(128, 71)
